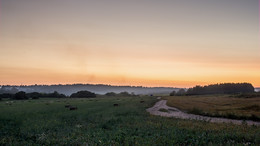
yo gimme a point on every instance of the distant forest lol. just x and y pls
(225, 88)
(95, 88)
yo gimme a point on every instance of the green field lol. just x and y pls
(98, 122)
(218, 106)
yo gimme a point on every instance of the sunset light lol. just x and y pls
(148, 42)
(129, 72)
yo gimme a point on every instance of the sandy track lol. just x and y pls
(174, 112)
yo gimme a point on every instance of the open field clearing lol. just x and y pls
(218, 106)
(97, 121)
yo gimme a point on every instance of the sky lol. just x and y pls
(174, 43)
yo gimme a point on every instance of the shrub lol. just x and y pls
(83, 94)
(173, 93)
(196, 111)
(6, 95)
(20, 95)
(181, 92)
(34, 95)
(110, 94)
(55, 94)
(124, 94)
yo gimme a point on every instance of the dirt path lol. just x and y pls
(174, 112)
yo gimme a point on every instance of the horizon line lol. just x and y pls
(115, 85)
(89, 84)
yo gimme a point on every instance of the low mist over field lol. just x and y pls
(98, 89)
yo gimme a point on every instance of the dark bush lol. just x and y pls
(6, 95)
(124, 94)
(181, 92)
(83, 94)
(55, 94)
(110, 94)
(196, 111)
(173, 93)
(34, 95)
(20, 95)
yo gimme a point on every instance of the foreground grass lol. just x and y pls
(218, 106)
(98, 122)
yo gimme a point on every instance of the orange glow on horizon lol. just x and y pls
(169, 43)
(39, 76)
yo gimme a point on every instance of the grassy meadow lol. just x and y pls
(218, 106)
(98, 122)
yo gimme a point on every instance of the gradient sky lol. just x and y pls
(178, 43)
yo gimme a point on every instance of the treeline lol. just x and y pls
(225, 88)
(83, 94)
(121, 94)
(80, 94)
(34, 95)
(68, 89)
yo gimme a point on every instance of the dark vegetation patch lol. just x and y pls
(247, 95)
(115, 104)
(83, 94)
(245, 89)
(121, 94)
(163, 110)
(252, 107)
(225, 88)
(34, 95)
(228, 115)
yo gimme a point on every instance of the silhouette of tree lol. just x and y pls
(181, 92)
(225, 88)
(20, 95)
(173, 93)
(83, 94)
(124, 94)
(110, 94)
(6, 95)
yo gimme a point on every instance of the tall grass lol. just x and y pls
(218, 106)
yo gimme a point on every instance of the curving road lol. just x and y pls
(174, 112)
